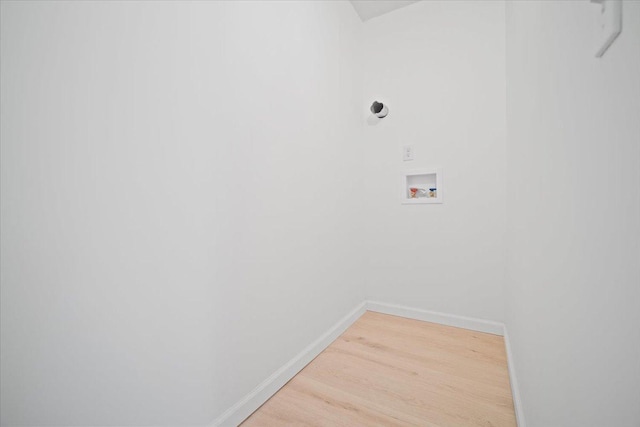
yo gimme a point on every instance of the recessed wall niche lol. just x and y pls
(421, 186)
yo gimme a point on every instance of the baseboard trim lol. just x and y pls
(515, 391)
(252, 401)
(480, 325)
(259, 395)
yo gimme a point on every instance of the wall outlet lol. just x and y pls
(407, 152)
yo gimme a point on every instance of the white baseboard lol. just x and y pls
(480, 325)
(515, 391)
(471, 323)
(252, 401)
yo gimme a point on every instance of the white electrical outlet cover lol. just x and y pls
(407, 153)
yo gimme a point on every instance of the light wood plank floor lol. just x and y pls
(390, 371)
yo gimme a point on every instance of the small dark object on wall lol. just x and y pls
(379, 109)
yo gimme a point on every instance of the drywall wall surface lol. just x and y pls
(440, 67)
(179, 202)
(573, 294)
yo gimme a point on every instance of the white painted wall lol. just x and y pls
(573, 300)
(149, 251)
(180, 195)
(440, 66)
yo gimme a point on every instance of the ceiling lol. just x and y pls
(368, 9)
